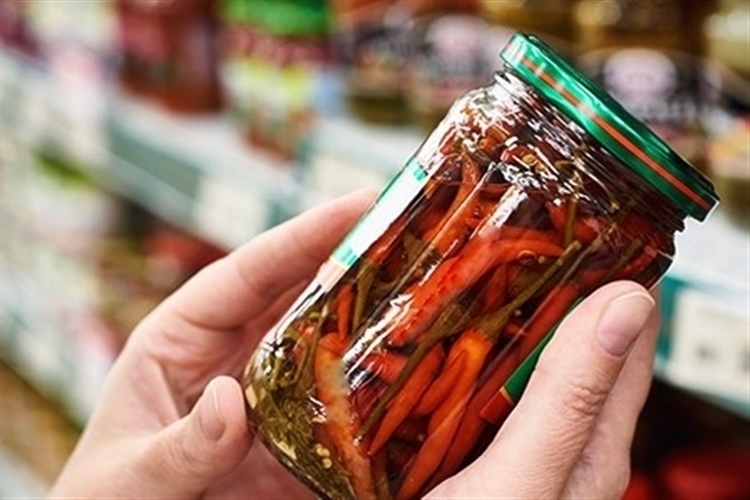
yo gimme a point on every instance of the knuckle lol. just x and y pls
(177, 456)
(582, 399)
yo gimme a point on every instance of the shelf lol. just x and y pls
(194, 172)
(349, 155)
(62, 366)
(17, 480)
(705, 297)
(48, 333)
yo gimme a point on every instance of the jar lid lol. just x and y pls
(600, 115)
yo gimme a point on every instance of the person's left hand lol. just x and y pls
(171, 421)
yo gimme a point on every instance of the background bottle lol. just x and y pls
(647, 55)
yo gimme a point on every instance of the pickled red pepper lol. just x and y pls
(389, 373)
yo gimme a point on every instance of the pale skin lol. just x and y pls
(171, 420)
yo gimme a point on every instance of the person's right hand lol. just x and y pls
(570, 435)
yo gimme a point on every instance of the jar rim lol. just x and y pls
(627, 138)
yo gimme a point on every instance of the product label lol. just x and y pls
(393, 200)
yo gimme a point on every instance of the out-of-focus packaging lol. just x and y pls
(15, 31)
(549, 20)
(448, 56)
(648, 55)
(168, 52)
(728, 109)
(371, 44)
(276, 67)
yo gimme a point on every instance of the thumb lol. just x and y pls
(543, 439)
(189, 455)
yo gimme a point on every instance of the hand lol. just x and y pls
(171, 420)
(571, 433)
(171, 423)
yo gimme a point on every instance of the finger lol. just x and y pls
(240, 286)
(605, 470)
(543, 438)
(625, 402)
(189, 455)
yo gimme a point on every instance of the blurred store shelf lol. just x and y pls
(199, 174)
(17, 480)
(194, 172)
(349, 154)
(40, 349)
(705, 342)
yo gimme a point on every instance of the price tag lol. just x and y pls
(229, 213)
(332, 177)
(710, 347)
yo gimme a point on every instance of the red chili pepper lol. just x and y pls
(386, 242)
(385, 364)
(585, 227)
(472, 424)
(441, 387)
(341, 420)
(495, 290)
(401, 405)
(454, 276)
(451, 231)
(525, 233)
(550, 311)
(344, 310)
(474, 345)
(365, 397)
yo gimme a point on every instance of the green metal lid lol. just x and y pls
(600, 115)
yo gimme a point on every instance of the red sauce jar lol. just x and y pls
(531, 193)
(169, 52)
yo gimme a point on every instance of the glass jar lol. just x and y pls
(406, 352)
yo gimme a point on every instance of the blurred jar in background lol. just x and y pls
(241, 67)
(168, 52)
(647, 55)
(549, 20)
(370, 40)
(448, 56)
(14, 27)
(276, 67)
(728, 116)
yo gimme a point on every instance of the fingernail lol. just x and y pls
(209, 416)
(623, 320)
